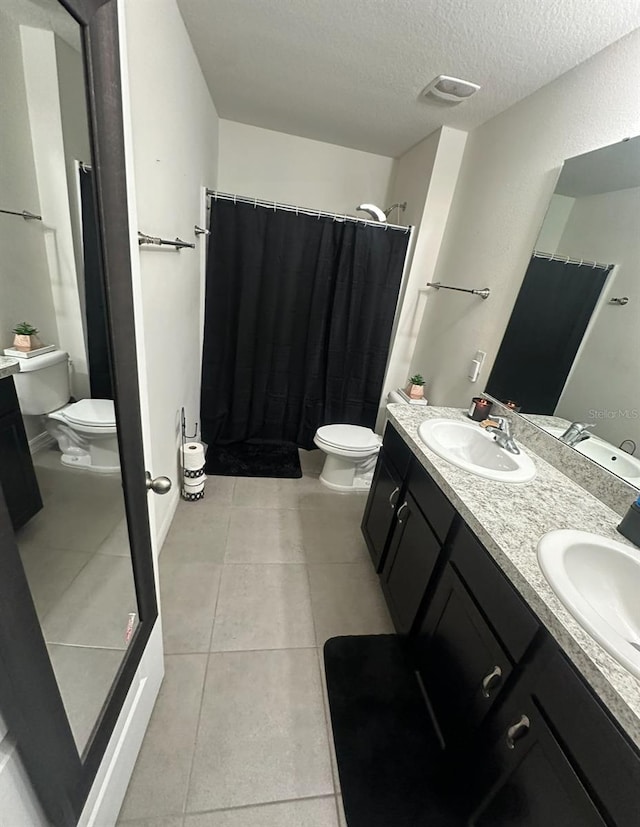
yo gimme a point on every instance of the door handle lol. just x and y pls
(518, 731)
(401, 509)
(393, 494)
(490, 681)
(159, 485)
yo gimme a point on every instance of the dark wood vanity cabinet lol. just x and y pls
(17, 477)
(384, 498)
(525, 740)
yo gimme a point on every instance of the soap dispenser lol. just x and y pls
(630, 525)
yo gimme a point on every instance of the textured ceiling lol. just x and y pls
(350, 71)
(611, 168)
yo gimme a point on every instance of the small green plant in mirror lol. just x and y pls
(415, 380)
(26, 337)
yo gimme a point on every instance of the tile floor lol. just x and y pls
(75, 552)
(254, 579)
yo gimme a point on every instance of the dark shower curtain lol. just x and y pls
(545, 330)
(298, 318)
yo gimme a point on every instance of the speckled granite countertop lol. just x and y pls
(8, 366)
(509, 519)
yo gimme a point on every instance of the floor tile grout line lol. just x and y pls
(187, 786)
(327, 723)
(261, 804)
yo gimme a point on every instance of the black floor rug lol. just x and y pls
(389, 758)
(252, 459)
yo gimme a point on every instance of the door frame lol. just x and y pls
(30, 698)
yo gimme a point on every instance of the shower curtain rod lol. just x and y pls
(566, 260)
(259, 202)
(26, 214)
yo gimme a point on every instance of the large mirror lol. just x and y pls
(64, 493)
(571, 350)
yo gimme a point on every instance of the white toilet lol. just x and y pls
(85, 431)
(352, 453)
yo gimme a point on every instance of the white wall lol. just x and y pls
(260, 163)
(508, 174)
(425, 177)
(25, 288)
(175, 148)
(47, 138)
(606, 374)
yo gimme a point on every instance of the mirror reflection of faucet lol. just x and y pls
(575, 433)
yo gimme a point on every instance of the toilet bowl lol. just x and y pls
(86, 430)
(352, 452)
(86, 434)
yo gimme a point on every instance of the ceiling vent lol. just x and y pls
(451, 90)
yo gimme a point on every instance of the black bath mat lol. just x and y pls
(389, 758)
(252, 459)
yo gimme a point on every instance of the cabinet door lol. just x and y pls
(537, 785)
(17, 477)
(462, 666)
(380, 511)
(413, 553)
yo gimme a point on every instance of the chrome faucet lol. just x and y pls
(502, 432)
(575, 433)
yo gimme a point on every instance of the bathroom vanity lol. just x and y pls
(538, 724)
(17, 477)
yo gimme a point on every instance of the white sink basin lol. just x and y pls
(468, 446)
(598, 580)
(606, 455)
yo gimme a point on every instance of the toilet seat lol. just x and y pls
(91, 413)
(348, 438)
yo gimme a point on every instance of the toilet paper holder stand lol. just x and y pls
(187, 438)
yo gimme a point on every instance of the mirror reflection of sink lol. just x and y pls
(598, 581)
(473, 449)
(608, 456)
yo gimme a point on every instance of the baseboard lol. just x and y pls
(39, 442)
(162, 532)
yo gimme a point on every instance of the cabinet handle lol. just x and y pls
(393, 494)
(491, 681)
(403, 506)
(518, 731)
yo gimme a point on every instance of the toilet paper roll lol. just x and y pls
(192, 455)
(193, 489)
(193, 476)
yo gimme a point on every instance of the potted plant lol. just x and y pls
(415, 388)
(26, 337)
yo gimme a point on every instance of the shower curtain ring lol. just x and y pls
(234, 198)
(275, 204)
(581, 260)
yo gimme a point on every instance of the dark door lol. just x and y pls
(17, 477)
(412, 557)
(379, 513)
(537, 785)
(462, 665)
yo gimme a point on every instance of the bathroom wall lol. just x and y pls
(261, 163)
(508, 175)
(606, 375)
(425, 177)
(175, 154)
(25, 288)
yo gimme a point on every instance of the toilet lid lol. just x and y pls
(99, 413)
(348, 436)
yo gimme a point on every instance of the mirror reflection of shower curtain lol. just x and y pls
(298, 317)
(95, 308)
(548, 322)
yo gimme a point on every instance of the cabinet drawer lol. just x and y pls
(608, 762)
(432, 502)
(396, 451)
(506, 611)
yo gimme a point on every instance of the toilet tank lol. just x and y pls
(42, 384)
